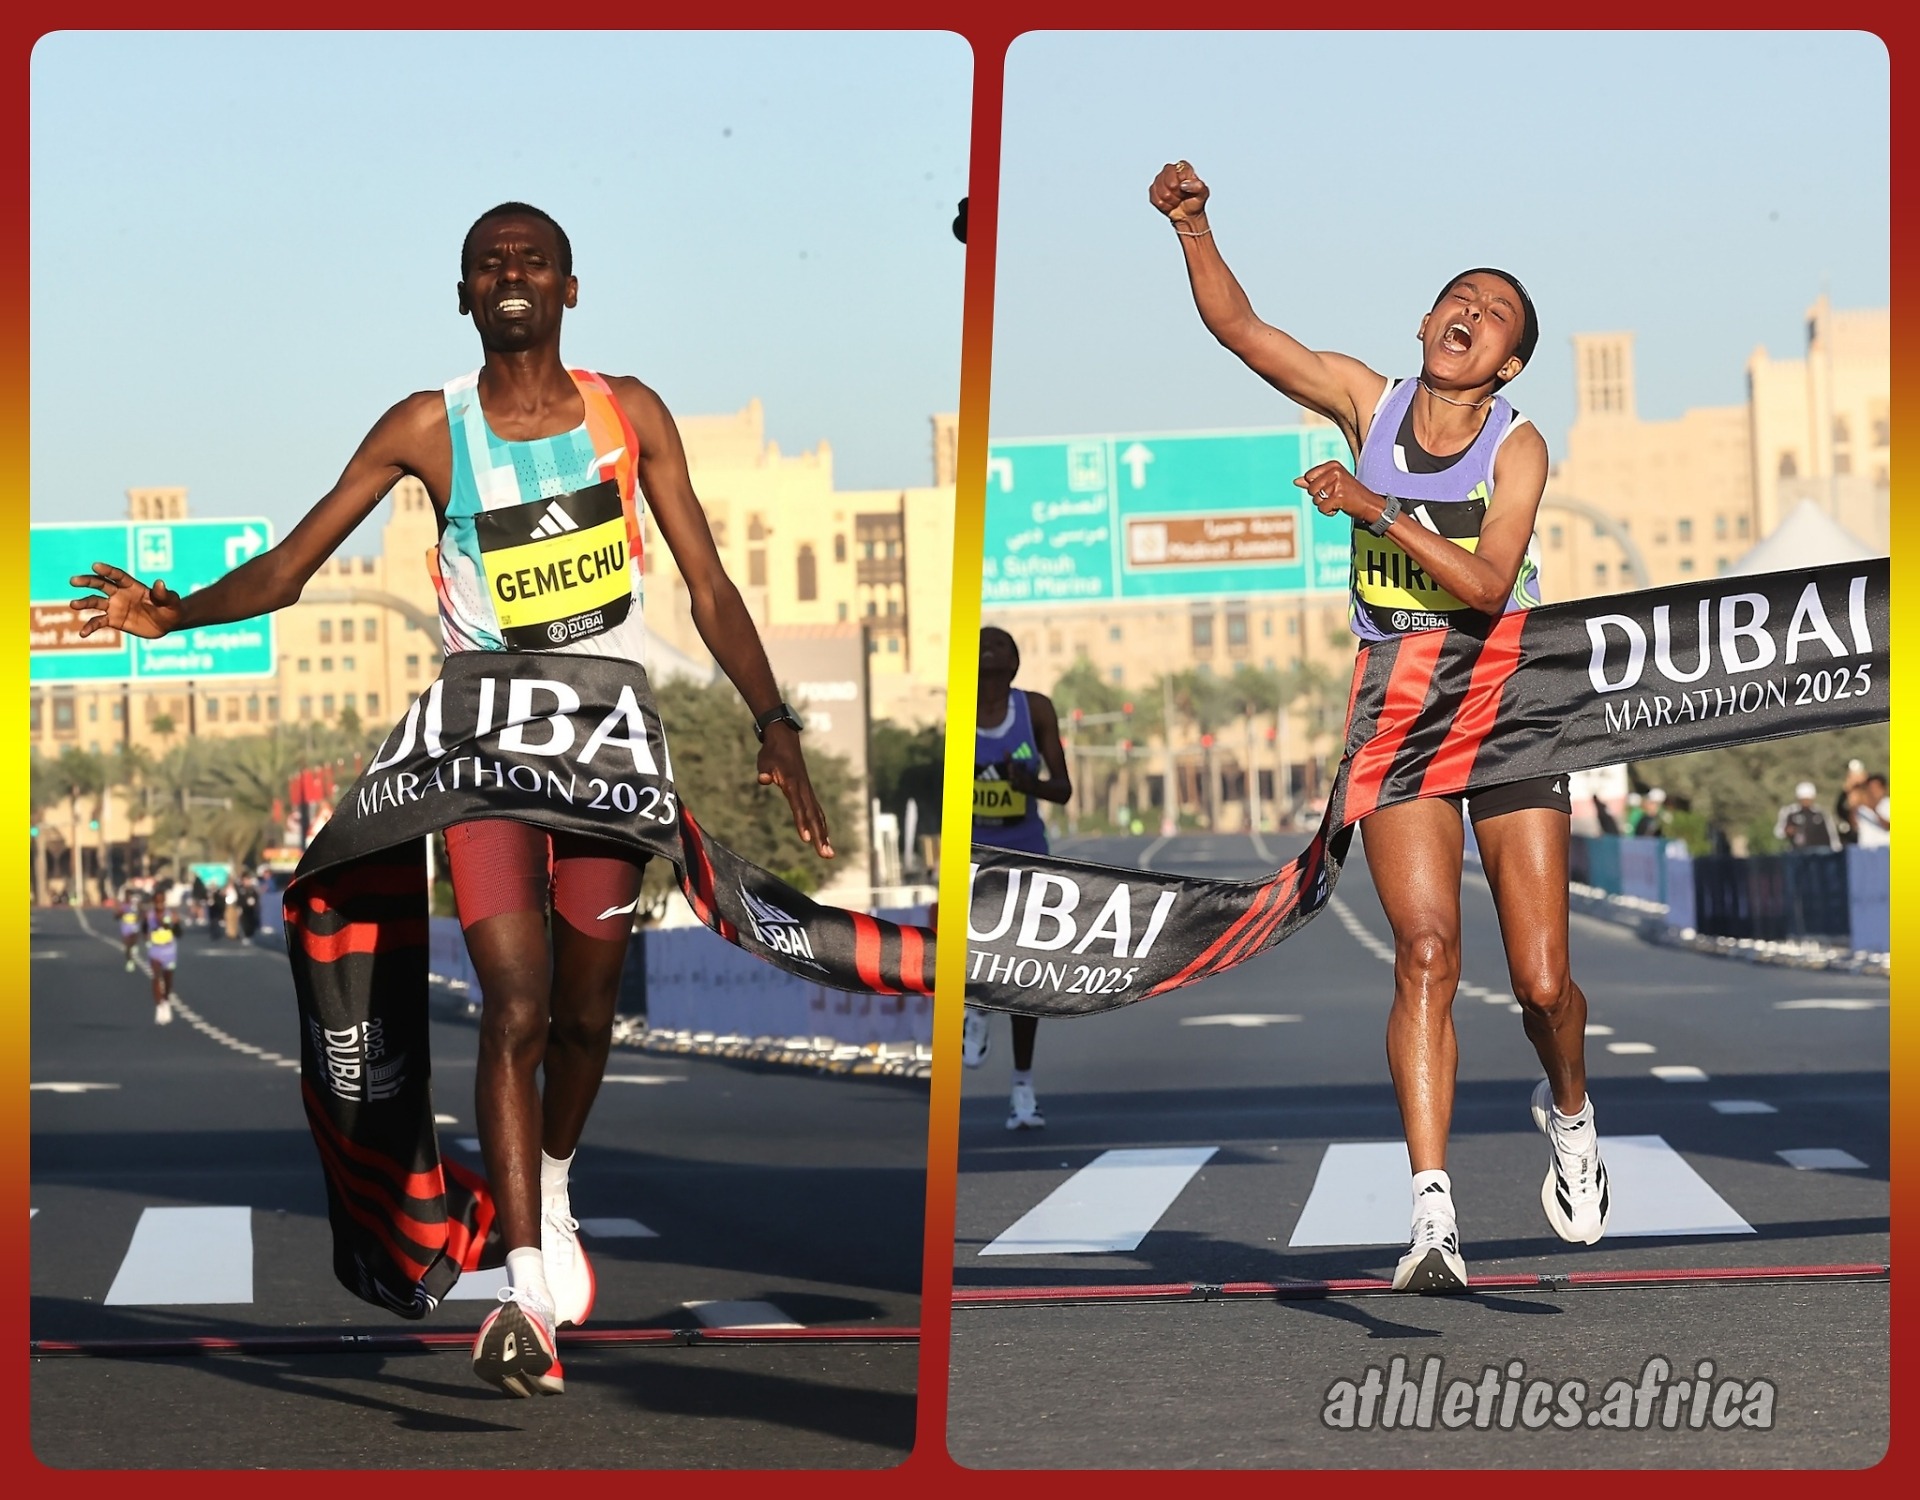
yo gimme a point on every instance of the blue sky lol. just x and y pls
(245, 246)
(1692, 187)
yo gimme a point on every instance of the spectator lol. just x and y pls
(1653, 823)
(1603, 815)
(1634, 804)
(1801, 825)
(1871, 819)
(1843, 804)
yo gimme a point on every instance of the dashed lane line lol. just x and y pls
(193, 1017)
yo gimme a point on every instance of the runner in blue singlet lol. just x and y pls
(1016, 739)
(1449, 479)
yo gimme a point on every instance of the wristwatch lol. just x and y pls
(780, 713)
(1388, 516)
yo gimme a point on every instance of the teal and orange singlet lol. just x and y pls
(540, 549)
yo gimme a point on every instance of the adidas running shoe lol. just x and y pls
(1023, 1110)
(515, 1348)
(569, 1275)
(1432, 1263)
(975, 1035)
(1575, 1192)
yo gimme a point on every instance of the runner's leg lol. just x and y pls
(595, 888)
(1525, 856)
(500, 879)
(1025, 1029)
(1413, 854)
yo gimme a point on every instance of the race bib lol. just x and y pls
(557, 570)
(994, 799)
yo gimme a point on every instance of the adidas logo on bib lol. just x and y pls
(555, 521)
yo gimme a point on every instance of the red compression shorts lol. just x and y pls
(500, 866)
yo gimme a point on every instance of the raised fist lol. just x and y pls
(1178, 191)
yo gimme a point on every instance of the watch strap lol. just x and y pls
(1388, 515)
(781, 712)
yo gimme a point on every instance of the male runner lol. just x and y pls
(500, 451)
(1449, 477)
(1016, 736)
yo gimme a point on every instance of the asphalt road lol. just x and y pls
(720, 1196)
(1269, 1087)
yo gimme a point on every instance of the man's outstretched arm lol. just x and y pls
(719, 613)
(397, 445)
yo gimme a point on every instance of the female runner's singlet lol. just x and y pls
(540, 548)
(1003, 817)
(1389, 593)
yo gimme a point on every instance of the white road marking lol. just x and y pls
(1599, 1030)
(1679, 1073)
(478, 1286)
(617, 1229)
(186, 1256)
(1743, 1107)
(1110, 1204)
(193, 1018)
(1246, 1020)
(1655, 1191)
(1362, 1195)
(468, 1142)
(1145, 861)
(1830, 1005)
(69, 1088)
(445, 1120)
(739, 1315)
(1821, 1159)
(643, 1078)
(1631, 1049)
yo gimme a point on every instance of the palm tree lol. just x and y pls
(44, 790)
(128, 766)
(1254, 690)
(80, 774)
(1206, 702)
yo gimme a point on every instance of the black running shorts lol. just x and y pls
(1517, 796)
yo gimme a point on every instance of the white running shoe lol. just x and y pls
(1023, 1110)
(129, 965)
(569, 1275)
(975, 1035)
(1432, 1263)
(516, 1350)
(163, 1013)
(1575, 1193)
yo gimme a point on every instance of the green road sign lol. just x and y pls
(1160, 516)
(188, 555)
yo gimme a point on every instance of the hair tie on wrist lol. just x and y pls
(1195, 235)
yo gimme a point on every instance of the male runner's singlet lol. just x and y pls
(1390, 594)
(540, 548)
(1003, 817)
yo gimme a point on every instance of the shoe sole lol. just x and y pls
(510, 1356)
(1549, 1198)
(1430, 1275)
(1018, 1124)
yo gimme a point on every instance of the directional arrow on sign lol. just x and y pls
(1136, 458)
(1002, 470)
(243, 546)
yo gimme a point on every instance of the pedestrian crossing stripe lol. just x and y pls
(1109, 1205)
